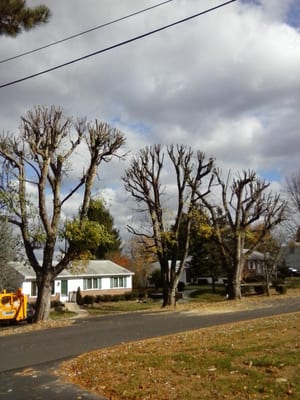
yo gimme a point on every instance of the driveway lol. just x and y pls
(29, 360)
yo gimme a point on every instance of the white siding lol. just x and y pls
(26, 288)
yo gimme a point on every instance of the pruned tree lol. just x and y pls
(245, 201)
(15, 16)
(36, 184)
(293, 192)
(143, 180)
(293, 189)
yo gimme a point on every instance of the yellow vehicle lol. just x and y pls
(15, 307)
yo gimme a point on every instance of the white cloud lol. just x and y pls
(227, 83)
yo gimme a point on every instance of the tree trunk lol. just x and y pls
(44, 298)
(234, 282)
(213, 284)
(169, 292)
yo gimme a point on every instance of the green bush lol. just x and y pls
(260, 289)
(56, 303)
(132, 296)
(281, 289)
(103, 298)
(88, 299)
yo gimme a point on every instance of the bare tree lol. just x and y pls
(293, 189)
(292, 226)
(40, 158)
(143, 180)
(244, 201)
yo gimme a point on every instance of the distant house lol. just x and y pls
(95, 277)
(185, 275)
(254, 265)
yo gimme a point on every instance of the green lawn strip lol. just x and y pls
(121, 306)
(55, 315)
(250, 360)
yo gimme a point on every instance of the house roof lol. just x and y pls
(92, 268)
(255, 255)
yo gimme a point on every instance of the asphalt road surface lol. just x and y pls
(28, 361)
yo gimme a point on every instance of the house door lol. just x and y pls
(64, 288)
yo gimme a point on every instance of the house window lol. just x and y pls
(252, 265)
(92, 283)
(33, 289)
(118, 282)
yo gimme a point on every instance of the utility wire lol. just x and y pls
(117, 45)
(84, 32)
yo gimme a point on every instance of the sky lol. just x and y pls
(226, 83)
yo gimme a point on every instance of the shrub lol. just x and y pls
(79, 297)
(56, 303)
(180, 286)
(281, 289)
(202, 281)
(260, 289)
(133, 296)
(106, 298)
(88, 299)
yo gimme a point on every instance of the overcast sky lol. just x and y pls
(226, 83)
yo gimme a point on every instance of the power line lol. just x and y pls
(84, 32)
(117, 45)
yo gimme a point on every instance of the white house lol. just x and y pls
(185, 275)
(95, 277)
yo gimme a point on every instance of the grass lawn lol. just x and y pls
(250, 360)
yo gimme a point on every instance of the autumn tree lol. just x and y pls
(38, 182)
(204, 251)
(143, 180)
(15, 16)
(141, 258)
(245, 201)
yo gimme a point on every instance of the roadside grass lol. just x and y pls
(293, 282)
(242, 361)
(58, 314)
(195, 296)
(121, 306)
(205, 294)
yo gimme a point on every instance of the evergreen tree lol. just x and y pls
(97, 212)
(8, 252)
(15, 16)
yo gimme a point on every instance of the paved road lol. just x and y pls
(29, 360)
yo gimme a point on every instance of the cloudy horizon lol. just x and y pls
(226, 83)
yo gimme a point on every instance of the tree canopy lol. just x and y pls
(99, 213)
(143, 180)
(37, 182)
(15, 16)
(246, 200)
